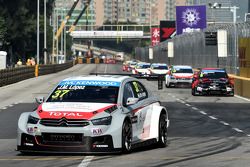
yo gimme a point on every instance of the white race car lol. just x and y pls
(179, 75)
(85, 114)
(158, 68)
(141, 68)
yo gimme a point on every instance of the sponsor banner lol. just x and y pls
(167, 30)
(89, 83)
(155, 36)
(190, 18)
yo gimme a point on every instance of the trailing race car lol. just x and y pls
(179, 76)
(158, 68)
(141, 68)
(210, 81)
(84, 114)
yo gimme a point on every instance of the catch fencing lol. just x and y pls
(191, 49)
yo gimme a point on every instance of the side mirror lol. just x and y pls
(131, 100)
(40, 100)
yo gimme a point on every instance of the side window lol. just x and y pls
(140, 91)
(128, 92)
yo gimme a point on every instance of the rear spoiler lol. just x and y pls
(160, 78)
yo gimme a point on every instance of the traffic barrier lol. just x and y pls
(13, 75)
(88, 60)
(97, 60)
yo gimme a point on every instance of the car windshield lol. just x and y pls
(143, 66)
(183, 70)
(213, 74)
(93, 94)
(160, 67)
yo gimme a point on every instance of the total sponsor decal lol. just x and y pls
(90, 83)
(69, 114)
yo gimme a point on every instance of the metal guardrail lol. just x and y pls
(13, 75)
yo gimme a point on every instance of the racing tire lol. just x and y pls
(163, 131)
(167, 85)
(126, 137)
(194, 92)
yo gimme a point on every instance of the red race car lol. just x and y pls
(209, 81)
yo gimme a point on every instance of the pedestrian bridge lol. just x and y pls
(112, 32)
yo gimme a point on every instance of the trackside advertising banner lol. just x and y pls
(155, 36)
(167, 30)
(190, 18)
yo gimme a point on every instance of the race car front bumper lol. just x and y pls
(66, 143)
(225, 90)
(181, 82)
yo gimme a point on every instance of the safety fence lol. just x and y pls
(13, 75)
(192, 49)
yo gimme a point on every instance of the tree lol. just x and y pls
(20, 22)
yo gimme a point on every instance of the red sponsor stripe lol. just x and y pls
(69, 114)
(186, 76)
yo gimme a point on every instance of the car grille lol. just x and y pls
(63, 122)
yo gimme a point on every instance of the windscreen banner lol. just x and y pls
(190, 18)
(155, 36)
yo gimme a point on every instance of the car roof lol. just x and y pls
(113, 78)
(213, 69)
(159, 64)
(182, 66)
(142, 63)
(221, 69)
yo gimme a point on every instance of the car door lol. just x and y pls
(143, 106)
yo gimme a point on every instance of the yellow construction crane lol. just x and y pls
(63, 23)
(72, 28)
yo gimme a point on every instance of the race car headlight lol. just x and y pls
(32, 120)
(102, 121)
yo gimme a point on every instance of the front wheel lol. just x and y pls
(126, 137)
(163, 131)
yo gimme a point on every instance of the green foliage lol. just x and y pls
(19, 17)
(3, 29)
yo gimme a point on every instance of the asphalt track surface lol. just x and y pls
(204, 131)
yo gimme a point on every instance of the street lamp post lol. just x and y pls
(37, 32)
(45, 34)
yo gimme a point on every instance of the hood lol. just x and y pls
(71, 110)
(183, 75)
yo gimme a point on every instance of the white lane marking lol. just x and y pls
(188, 105)
(224, 123)
(202, 112)
(85, 162)
(11, 105)
(212, 117)
(194, 108)
(248, 135)
(238, 130)
(4, 108)
(240, 97)
(178, 99)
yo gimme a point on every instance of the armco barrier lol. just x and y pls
(12, 75)
(90, 61)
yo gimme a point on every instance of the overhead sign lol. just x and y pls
(155, 36)
(167, 30)
(190, 18)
